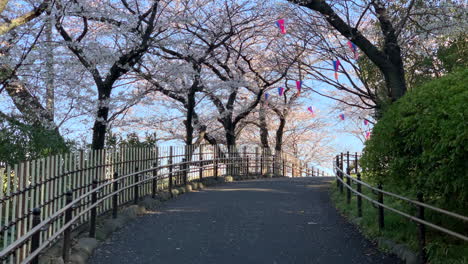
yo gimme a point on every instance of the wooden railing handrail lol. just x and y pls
(341, 175)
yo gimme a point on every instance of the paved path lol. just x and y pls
(272, 221)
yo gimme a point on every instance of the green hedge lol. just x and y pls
(421, 143)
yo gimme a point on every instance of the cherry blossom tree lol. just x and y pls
(109, 44)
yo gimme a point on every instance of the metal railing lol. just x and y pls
(43, 201)
(344, 179)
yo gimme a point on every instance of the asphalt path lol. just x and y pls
(274, 221)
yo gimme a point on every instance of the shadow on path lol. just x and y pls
(271, 221)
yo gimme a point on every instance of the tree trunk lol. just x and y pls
(188, 121)
(263, 126)
(230, 136)
(100, 123)
(395, 79)
(279, 134)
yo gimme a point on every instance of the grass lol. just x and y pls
(440, 248)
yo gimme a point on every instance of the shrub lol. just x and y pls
(421, 143)
(20, 142)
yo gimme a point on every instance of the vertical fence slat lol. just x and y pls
(19, 173)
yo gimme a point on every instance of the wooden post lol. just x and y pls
(186, 163)
(92, 221)
(67, 232)
(155, 174)
(237, 161)
(380, 208)
(200, 158)
(341, 172)
(293, 167)
(36, 237)
(136, 193)
(347, 161)
(348, 182)
(273, 162)
(262, 162)
(256, 161)
(154, 185)
(284, 167)
(356, 163)
(421, 232)
(229, 165)
(359, 198)
(337, 172)
(215, 160)
(246, 163)
(182, 170)
(115, 188)
(171, 151)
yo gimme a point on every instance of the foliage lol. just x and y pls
(20, 142)
(131, 140)
(420, 144)
(455, 55)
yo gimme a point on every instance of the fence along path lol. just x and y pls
(43, 199)
(344, 179)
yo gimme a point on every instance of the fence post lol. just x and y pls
(421, 232)
(270, 162)
(200, 158)
(182, 170)
(170, 170)
(92, 220)
(67, 232)
(215, 157)
(135, 188)
(356, 163)
(262, 161)
(359, 198)
(229, 169)
(154, 187)
(246, 162)
(115, 205)
(347, 160)
(186, 163)
(348, 188)
(37, 236)
(380, 208)
(292, 169)
(256, 160)
(337, 172)
(341, 172)
(284, 167)
(238, 161)
(275, 163)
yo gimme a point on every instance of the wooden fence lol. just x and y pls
(123, 174)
